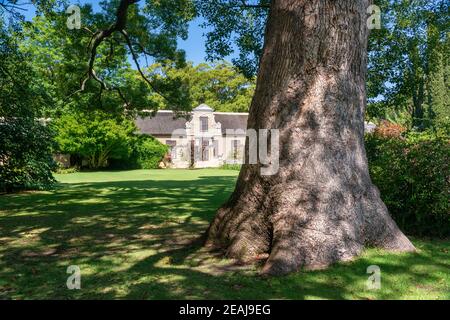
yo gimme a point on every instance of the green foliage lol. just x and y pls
(408, 60)
(413, 176)
(106, 141)
(19, 96)
(438, 85)
(26, 144)
(95, 136)
(60, 61)
(231, 166)
(409, 75)
(67, 170)
(149, 152)
(154, 28)
(60, 58)
(25, 155)
(132, 218)
(219, 85)
(233, 27)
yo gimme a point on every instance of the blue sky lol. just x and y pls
(194, 45)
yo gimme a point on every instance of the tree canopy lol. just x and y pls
(220, 85)
(408, 56)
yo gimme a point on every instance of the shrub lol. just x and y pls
(67, 170)
(231, 166)
(389, 129)
(413, 176)
(149, 152)
(25, 155)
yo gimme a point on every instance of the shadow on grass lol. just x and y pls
(141, 240)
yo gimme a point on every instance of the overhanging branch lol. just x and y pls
(100, 36)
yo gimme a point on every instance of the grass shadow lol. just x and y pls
(139, 238)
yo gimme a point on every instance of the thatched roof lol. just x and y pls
(165, 122)
(231, 120)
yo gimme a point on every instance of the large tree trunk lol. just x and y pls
(321, 207)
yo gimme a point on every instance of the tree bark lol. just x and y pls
(321, 206)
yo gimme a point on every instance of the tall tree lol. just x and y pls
(321, 206)
(437, 85)
(26, 148)
(408, 61)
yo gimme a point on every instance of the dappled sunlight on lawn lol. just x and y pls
(138, 234)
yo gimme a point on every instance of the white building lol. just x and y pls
(205, 139)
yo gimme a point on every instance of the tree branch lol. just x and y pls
(98, 37)
(136, 62)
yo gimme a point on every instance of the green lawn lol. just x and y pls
(135, 234)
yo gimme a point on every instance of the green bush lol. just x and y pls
(25, 155)
(413, 176)
(231, 166)
(66, 170)
(149, 152)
